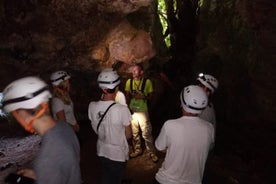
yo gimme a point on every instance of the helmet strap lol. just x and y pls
(28, 126)
(23, 122)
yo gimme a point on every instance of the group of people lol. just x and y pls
(117, 118)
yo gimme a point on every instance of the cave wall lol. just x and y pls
(81, 37)
(236, 44)
(42, 36)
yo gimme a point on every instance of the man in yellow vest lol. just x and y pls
(138, 91)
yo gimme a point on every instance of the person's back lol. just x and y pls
(186, 141)
(209, 84)
(112, 142)
(58, 161)
(189, 139)
(111, 122)
(60, 151)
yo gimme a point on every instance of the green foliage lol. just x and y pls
(164, 21)
(200, 3)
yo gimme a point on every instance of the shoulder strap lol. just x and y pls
(131, 87)
(144, 80)
(143, 84)
(104, 115)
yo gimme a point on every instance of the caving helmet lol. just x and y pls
(209, 81)
(108, 79)
(25, 93)
(193, 99)
(58, 77)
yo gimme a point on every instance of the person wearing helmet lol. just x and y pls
(138, 91)
(58, 160)
(61, 104)
(120, 98)
(111, 122)
(210, 85)
(186, 140)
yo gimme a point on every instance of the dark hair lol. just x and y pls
(111, 90)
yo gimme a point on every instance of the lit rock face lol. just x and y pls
(123, 6)
(126, 44)
(72, 34)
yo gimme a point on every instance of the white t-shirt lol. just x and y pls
(187, 140)
(120, 98)
(57, 105)
(208, 114)
(112, 142)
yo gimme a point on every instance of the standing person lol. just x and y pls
(58, 160)
(120, 98)
(111, 122)
(210, 85)
(61, 104)
(138, 91)
(186, 141)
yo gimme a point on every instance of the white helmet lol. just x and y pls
(25, 93)
(193, 99)
(209, 81)
(58, 77)
(108, 79)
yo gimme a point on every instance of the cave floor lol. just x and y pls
(223, 167)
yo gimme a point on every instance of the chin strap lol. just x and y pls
(28, 126)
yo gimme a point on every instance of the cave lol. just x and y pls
(232, 40)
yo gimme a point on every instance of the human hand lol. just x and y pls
(139, 96)
(27, 173)
(76, 127)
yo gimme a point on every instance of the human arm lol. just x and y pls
(127, 92)
(76, 127)
(128, 132)
(161, 142)
(61, 115)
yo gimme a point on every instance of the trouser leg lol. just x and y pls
(146, 129)
(112, 171)
(135, 133)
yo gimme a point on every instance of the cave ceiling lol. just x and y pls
(38, 37)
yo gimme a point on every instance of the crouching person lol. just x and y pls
(58, 160)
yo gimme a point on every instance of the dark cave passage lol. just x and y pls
(232, 40)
